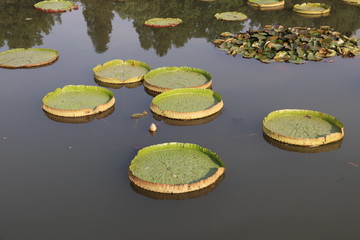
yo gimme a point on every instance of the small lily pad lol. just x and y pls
(187, 103)
(175, 168)
(266, 3)
(231, 16)
(55, 6)
(121, 72)
(303, 127)
(163, 22)
(78, 101)
(168, 78)
(27, 57)
(312, 8)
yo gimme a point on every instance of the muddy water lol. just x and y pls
(69, 181)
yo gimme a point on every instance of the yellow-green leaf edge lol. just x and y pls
(186, 115)
(159, 89)
(304, 141)
(120, 62)
(31, 65)
(297, 8)
(175, 188)
(79, 112)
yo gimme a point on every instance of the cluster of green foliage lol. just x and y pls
(295, 45)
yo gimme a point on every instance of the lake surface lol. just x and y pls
(69, 181)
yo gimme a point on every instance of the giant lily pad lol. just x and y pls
(353, 2)
(167, 78)
(294, 45)
(231, 16)
(303, 127)
(266, 3)
(78, 101)
(312, 8)
(175, 168)
(163, 22)
(27, 57)
(55, 6)
(187, 103)
(121, 72)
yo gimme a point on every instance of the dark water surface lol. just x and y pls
(69, 181)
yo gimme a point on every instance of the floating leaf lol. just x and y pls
(187, 103)
(27, 57)
(303, 127)
(312, 8)
(78, 101)
(121, 72)
(55, 6)
(167, 78)
(163, 22)
(175, 168)
(231, 16)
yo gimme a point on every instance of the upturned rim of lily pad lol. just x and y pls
(81, 111)
(178, 196)
(274, 4)
(163, 187)
(231, 16)
(299, 8)
(188, 115)
(310, 142)
(352, 2)
(54, 55)
(163, 22)
(303, 149)
(158, 89)
(69, 5)
(119, 62)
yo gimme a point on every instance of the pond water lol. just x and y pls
(69, 181)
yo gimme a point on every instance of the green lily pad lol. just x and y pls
(163, 22)
(187, 103)
(266, 3)
(231, 16)
(27, 57)
(168, 78)
(312, 8)
(56, 6)
(175, 168)
(78, 101)
(303, 127)
(121, 72)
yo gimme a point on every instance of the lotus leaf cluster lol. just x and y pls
(295, 44)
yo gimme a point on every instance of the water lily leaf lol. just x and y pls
(27, 57)
(167, 78)
(187, 103)
(78, 101)
(231, 16)
(55, 6)
(297, 60)
(121, 72)
(163, 22)
(165, 168)
(282, 56)
(312, 8)
(263, 4)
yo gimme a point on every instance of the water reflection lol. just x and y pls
(26, 27)
(22, 26)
